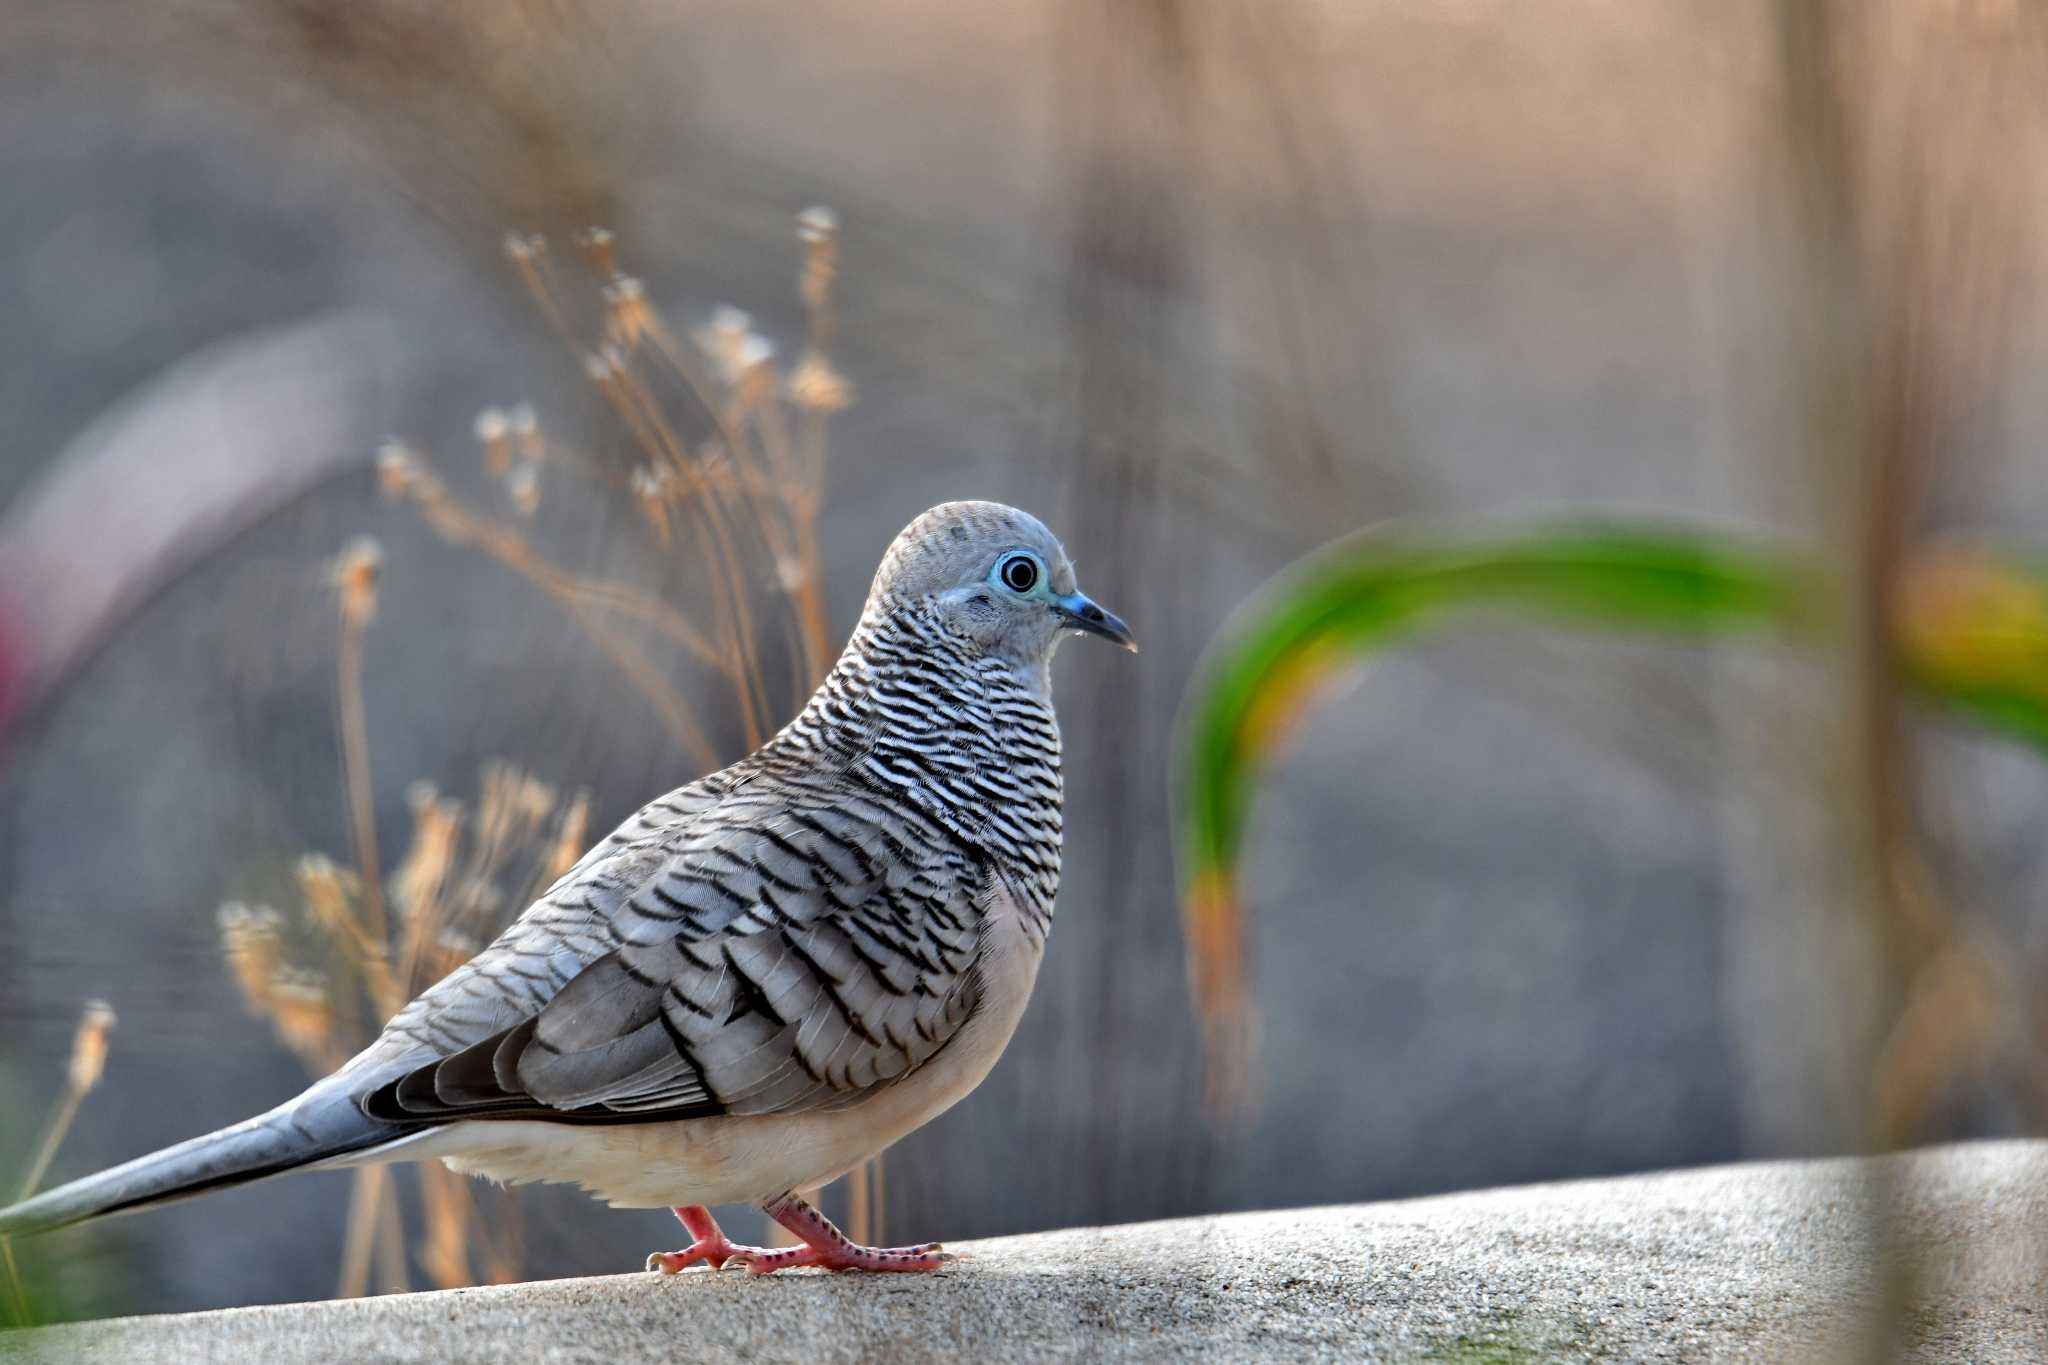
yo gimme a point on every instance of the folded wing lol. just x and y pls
(780, 956)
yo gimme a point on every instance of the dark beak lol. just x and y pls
(1080, 613)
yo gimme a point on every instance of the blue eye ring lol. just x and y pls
(1019, 571)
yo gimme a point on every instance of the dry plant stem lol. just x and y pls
(793, 495)
(675, 712)
(464, 527)
(46, 1152)
(365, 1194)
(503, 1249)
(1860, 459)
(396, 1277)
(644, 421)
(636, 407)
(878, 1200)
(811, 441)
(87, 1064)
(53, 1137)
(799, 508)
(355, 768)
(449, 1211)
(17, 1296)
(538, 286)
(370, 959)
(859, 1211)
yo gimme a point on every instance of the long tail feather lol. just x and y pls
(317, 1127)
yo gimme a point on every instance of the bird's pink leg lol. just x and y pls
(708, 1243)
(827, 1247)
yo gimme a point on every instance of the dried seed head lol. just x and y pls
(735, 348)
(437, 826)
(397, 469)
(536, 800)
(353, 574)
(570, 837)
(626, 311)
(493, 433)
(816, 387)
(252, 940)
(89, 1045)
(598, 368)
(329, 893)
(818, 229)
(523, 248)
(491, 425)
(816, 224)
(758, 383)
(597, 244)
(523, 484)
(651, 490)
(525, 424)
(301, 1010)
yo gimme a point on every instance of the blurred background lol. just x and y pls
(1203, 284)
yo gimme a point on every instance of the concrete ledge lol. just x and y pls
(1757, 1261)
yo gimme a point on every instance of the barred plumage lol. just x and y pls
(834, 936)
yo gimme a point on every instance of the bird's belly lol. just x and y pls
(745, 1159)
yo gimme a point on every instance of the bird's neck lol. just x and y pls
(968, 739)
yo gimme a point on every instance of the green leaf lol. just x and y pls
(1972, 627)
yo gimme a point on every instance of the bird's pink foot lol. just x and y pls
(826, 1247)
(708, 1244)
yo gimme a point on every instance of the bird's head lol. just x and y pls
(994, 576)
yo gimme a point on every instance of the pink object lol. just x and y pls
(708, 1244)
(824, 1245)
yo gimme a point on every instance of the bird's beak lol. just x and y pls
(1080, 613)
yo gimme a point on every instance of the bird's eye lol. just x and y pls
(1019, 573)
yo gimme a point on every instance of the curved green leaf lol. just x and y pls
(1972, 632)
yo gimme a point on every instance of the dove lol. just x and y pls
(761, 979)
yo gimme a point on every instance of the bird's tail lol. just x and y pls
(320, 1126)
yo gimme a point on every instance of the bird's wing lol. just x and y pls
(571, 926)
(779, 955)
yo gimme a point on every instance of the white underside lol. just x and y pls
(737, 1160)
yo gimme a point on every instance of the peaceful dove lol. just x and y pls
(761, 979)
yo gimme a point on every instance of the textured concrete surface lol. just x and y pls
(1765, 1261)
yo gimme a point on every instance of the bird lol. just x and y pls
(761, 979)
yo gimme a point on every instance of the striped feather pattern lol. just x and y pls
(783, 935)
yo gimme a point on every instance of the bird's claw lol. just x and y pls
(823, 1246)
(709, 1245)
(845, 1256)
(717, 1256)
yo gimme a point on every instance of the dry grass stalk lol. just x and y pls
(406, 475)
(88, 1063)
(750, 485)
(355, 580)
(462, 875)
(748, 491)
